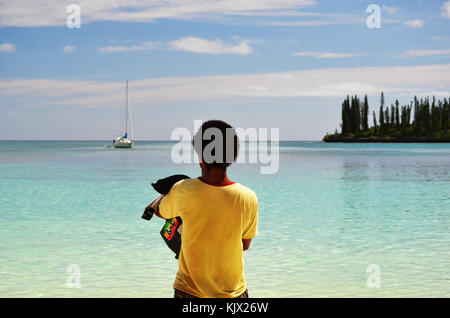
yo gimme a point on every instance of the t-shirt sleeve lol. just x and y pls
(169, 206)
(251, 224)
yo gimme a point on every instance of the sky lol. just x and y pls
(284, 64)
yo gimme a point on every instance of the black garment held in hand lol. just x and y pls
(171, 231)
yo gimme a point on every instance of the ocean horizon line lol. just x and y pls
(107, 140)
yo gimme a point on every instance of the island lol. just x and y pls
(429, 121)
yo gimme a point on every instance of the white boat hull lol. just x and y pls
(123, 143)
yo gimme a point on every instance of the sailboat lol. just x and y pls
(124, 141)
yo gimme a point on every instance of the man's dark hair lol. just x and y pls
(218, 154)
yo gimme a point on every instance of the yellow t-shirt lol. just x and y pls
(215, 220)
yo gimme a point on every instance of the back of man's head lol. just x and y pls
(217, 144)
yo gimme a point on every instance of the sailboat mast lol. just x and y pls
(126, 110)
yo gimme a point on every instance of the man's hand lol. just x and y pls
(157, 213)
(153, 207)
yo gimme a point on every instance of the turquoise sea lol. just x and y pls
(330, 212)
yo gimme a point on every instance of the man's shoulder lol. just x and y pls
(184, 184)
(187, 185)
(245, 191)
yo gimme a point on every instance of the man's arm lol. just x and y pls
(169, 206)
(251, 226)
(246, 244)
(157, 213)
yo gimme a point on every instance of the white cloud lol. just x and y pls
(69, 48)
(446, 9)
(26, 13)
(191, 44)
(389, 10)
(321, 55)
(317, 22)
(414, 24)
(7, 47)
(144, 46)
(216, 47)
(422, 53)
(317, 83)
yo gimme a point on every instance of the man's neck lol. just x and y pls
(215, 176)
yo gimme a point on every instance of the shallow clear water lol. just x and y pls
(329, 212)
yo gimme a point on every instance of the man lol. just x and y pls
(219, 219)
